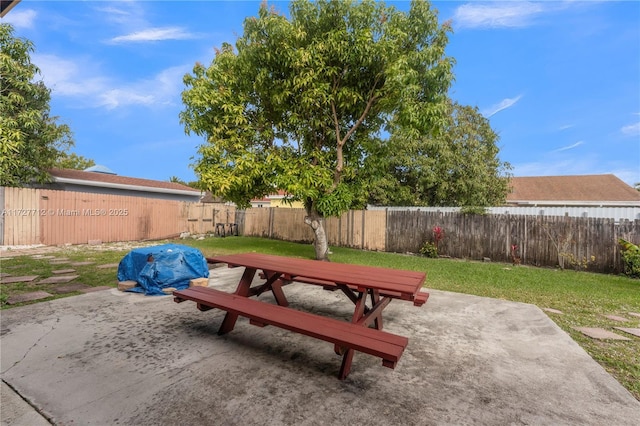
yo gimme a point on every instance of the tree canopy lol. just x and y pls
(458, 166)
(31, 139)
(300, 101)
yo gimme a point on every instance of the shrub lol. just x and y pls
(631, 258)
(631, 263)
(429, 249)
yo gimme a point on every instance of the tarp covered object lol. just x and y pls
(164, 266)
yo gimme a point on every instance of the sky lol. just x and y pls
(558, 80)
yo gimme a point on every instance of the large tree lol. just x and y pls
(30, 140)
(458, 166)
(300, 101)
(70, 160)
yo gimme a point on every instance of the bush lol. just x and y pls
(631, 260)
(429, 249)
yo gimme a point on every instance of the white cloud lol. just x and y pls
(87, 85)
(565, 127)
(162, 89)
(568, 147)
(502, 105)
(631, 130)
(154, 34)
(20, 18)
(68, 78)
(496, 15)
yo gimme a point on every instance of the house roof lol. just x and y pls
(80, 177)
(575, 190)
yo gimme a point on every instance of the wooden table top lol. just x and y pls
(407, 283)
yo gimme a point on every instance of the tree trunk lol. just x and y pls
(320, 243)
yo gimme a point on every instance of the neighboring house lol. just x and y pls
(279, 199)
(103, 181)
(567, 191)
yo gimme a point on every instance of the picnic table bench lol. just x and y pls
(359, 283)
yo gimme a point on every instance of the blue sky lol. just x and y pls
(559, 80)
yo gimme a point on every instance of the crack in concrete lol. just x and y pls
(53, 327)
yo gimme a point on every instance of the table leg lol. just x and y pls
(357, 315)
(242, 290)
(375, 299)
(345, 368)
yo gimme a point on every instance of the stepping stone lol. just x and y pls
(69, 288)
(99, 288)
(108, 265)
(22, 279)
(63, 271)
(600, 333)
(42, 256)
(58, 279)
(4, 274)
(58, 262)
(553, 311)
(616, 318)
(634, 314)
(634, 331)
(28, 297)
(82, 263)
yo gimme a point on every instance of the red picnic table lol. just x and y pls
(371, 289)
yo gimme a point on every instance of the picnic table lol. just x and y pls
(370, 289)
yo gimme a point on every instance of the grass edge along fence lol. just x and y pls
(550, 241)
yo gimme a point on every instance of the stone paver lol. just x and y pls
(58, 279)
(42, 256)
(99, 288)
(616, 318)
(553, 311)
(4, 274)
(634, 331)
(635, 314)
(28, 297)
(63, 271)
(82, 263)
(600, 333)
(69, 288)
(21, 279)
(108, 265)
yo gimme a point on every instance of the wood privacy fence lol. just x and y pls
(540, 240)
(42, 216)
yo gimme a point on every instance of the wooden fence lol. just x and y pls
(42, 216)
(571, 242)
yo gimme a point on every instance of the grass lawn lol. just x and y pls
(584, 298)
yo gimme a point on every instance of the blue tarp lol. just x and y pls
(158, 267)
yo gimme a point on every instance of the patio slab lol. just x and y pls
(20, 279)
(633, 331)
(108, 265)
(58, 279)
(616, 318)
(63, 271)
(82, 263)
(110, 357)
(600, 333)
(28, 297)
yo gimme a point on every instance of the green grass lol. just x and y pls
(584, 298)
